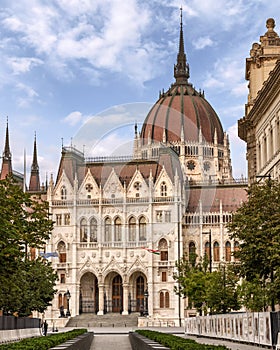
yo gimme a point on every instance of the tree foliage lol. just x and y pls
(206, 291)
(24, 223)
(256, 225)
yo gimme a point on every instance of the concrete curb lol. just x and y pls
(139, 342)
(82, 342)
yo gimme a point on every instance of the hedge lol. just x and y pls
(43, 343)
(177, 343)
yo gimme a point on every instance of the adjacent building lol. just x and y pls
(260, 127)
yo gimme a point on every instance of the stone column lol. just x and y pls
(101, 300)
(125, 299)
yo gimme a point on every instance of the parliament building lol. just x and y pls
(122, 222)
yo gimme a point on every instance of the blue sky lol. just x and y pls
(85, 70)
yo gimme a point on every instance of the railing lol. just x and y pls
(165, 264)
(90, 245)
(163, 199)
(110, 201)
(248, 327)
(12, 322)
(104, 159)
(88, 202)
(214, 182)
(121, 244)
(61, 265)
(61, 203)
(73, 150)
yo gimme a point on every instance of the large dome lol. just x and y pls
(182, 112)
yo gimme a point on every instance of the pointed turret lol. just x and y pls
(7, 157)
(34, 184)
(181, 69)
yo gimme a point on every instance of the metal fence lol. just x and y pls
(12, 322)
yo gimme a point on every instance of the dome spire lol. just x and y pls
(181, 69)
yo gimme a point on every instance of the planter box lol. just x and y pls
(82, 342)
(139, 342)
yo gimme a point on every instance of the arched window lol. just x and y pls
(163, 248)
(118, 229)
(164, 300)
(192, 250)
(108, 230)
(163, 189)
(216, 251)
(207, 250)
(142, 229)
(236, 248)
(93, 230)
(61, 247)
(83, 230)
(65, 301)
(60, 300)
(228, 251)
(132, 229)
(63, 193)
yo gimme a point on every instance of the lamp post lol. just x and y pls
(210, 248)
(68, 296)
(146, 296)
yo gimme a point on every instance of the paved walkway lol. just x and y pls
(229, 344)
(110, 341)
(111, 338)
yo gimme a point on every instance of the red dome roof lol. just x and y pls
(181, 112)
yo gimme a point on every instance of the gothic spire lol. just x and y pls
(7, 153)
(181, 69)
(35, 161)
(34, 184)
(7, 157)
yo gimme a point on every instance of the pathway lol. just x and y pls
(111, 342)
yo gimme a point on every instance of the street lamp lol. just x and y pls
(210, 248)
(68, 296)
(146, 296)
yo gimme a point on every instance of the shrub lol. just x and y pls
(177, 343)
(43, 343)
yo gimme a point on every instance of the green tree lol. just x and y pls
(215, 291)
(256, 225)
(24, 224)
(192, 279)
(222, 292)
(253, 295)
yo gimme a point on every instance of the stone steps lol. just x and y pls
(107, 320)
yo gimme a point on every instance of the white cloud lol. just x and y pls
(240, 89)
(202, 42)
(23, 64)
(211, 82)
(227, 74)
(105, 34)
(73, 118)
(238, 157)
(29, 94)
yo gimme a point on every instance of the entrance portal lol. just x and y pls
(117, 294)
(139, 293)
(89, 293)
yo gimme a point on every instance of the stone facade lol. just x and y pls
(122, 223)
(260, 127)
